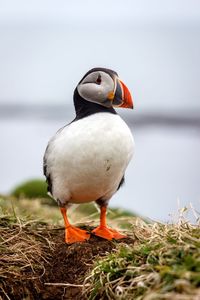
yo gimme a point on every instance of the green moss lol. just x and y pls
(35, 188)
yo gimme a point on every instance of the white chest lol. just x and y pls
(88, 158)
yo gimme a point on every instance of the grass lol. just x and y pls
(31, 243)
(164, 263)
(39, 209)
(157, 261)
(24, 250)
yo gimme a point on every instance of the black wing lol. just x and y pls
(46, 173)
(121, 183)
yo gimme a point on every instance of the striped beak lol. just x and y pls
(122, 97)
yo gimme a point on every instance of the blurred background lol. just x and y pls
(47, 46)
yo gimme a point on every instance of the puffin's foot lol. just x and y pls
(74, 234)
(108, 233)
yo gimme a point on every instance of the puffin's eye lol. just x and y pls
(98, 81)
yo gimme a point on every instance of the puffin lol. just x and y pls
(86, 160)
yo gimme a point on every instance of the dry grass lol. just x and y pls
(33, 252)
(164, 263)
(25, 248)
(35, 209)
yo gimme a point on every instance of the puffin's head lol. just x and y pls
(102, 86)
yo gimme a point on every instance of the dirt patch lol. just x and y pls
(70, 264)
(56, 270)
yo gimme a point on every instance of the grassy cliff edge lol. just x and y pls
(156, 261)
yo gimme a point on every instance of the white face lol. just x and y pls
(96, 87)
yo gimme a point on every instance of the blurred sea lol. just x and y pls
(163, 176)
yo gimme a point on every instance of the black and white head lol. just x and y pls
(103, 86)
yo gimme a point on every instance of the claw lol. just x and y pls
(107, 233)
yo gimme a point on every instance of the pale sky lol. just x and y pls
(47, 46)
(140, 10)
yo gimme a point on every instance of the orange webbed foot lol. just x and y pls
(117, 235)
(74, 235)
(108, 233)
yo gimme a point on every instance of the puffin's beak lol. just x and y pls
(122, 97)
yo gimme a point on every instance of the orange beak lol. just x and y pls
(122, 97)
(126, 96)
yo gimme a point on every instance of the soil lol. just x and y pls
(68, 264)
